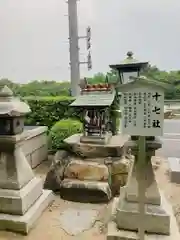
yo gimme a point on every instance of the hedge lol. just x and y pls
(46, 111)
(62, 130)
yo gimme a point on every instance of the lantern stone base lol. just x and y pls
(156, 219)
(22, 198)
(23, 223)
(120, 234)
(19, 201)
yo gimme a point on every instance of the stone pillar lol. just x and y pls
(157, 218)
(22, 198)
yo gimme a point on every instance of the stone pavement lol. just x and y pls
(75, 221)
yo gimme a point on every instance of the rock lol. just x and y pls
(119, 171)
(117, 182)
(60, 156)
(52, 181)
(56, 173)
(121, 166)
(85, 191)
(84, 170)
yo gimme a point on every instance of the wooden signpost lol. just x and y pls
(142, 103)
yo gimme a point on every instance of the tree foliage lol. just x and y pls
(46, 111)
(53, 88)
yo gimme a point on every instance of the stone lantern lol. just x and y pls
(22, 199)
(12, 112)
(130, 67)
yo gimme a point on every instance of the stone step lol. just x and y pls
(85, 191)
(19, 201)
(115, 148)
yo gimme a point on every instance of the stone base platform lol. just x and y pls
(17, 202)
(92, 178)
(85, 191)
(91, 172)
(23, 224)
(156, 219)
(35, 145)
(119, 234)
(114, 148)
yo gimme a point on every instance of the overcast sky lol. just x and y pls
(34, 45)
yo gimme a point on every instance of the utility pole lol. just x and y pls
(74, 47)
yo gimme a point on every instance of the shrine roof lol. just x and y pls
(95, 98)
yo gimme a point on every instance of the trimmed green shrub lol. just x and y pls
(46, 111)
(63, 129)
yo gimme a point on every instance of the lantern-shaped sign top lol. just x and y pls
(129, 67)
(12, 112)
(142, 104)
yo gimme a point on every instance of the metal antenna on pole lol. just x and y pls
(74, 47)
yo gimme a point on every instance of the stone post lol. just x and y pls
(22, 198)
(158, 217)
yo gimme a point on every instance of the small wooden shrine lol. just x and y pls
(95, 101)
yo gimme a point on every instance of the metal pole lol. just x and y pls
(74, 47)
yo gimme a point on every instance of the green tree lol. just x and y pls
(53, 88)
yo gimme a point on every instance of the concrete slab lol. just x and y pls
(24, 223)
(75, 221)
(174, 169)
(118, 234)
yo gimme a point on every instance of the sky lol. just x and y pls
(34, 36)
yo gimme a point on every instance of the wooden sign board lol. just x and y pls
(142, 111)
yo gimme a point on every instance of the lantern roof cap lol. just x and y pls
(129, 63)
(10, 105)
